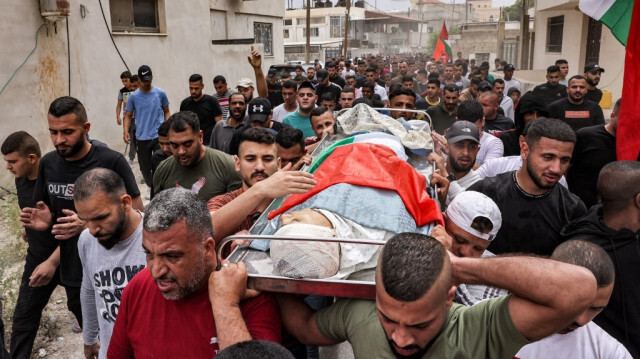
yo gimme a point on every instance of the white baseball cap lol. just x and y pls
(469, 205)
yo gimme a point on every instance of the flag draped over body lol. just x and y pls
(443, 47)
(624, 21)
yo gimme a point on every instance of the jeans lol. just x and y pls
(145, 150)
(29, 307)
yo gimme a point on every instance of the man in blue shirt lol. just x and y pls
(151, 107)
(300, 118)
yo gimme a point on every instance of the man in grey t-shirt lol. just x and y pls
(110, 250)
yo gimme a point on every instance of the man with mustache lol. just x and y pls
(110, 250)
(205, 171)
(534, 207)
(257, 161)
(576, 110)
(223, 131)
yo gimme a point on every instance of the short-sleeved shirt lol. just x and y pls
(214, 175)
(303, 123)
(54, 186)
(279, 113)
(441, 119)
(207, 109)
(500, 123)
(41, 243)
(148, 107)
(588, 113)
(481, 331)
(594, 95)
(218, 202)
(222, 134)
(223, 100)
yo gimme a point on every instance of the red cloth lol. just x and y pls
(150, 326)
(628, 133)
(442, 45)
(377, 166)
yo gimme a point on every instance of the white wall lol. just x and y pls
(184, 49)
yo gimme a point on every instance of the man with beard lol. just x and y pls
(552, 90)
(447, 76)
(413, 315)
(110, 250)
(306, 103)
(204, 171)
(222, 94)
(506, 103)
(576, 110)
(444, 114)
(593, 72)
(223, 131)
(257, 162)
(403, 70)
(582, 338)
(180, 307)
(494, 121)
(534, 207)
(509, 81)
(326, 86)
(311, 75)
(53, 194)
(206, 107)
(333, 75)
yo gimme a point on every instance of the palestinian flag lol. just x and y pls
(443, 47)
(615, 14)
(624, 21)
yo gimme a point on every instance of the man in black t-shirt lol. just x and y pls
(57, 173)
(595, 147)
(494, 121)
(575, 110)
(334, 77)
(325, 85)
(206, 107)
(274, 88)
(534, 207)
(593, 72)
(552, 90)
(40, 276)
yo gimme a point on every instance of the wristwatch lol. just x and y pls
(451, 177)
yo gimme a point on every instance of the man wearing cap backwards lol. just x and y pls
(576, 110)
(204, 171)
(206, 107)
(534, 207)
(151, 106)
(306, 103)
(413, 315)
(223, 131)
(509, 81)
(593, 72)
(326, 86)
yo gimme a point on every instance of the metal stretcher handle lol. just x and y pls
(290, 238)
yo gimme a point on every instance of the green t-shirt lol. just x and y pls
(484, 330)
(303, 123)
(214, 175)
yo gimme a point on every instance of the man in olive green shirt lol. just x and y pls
(413, 315)
(203, 170)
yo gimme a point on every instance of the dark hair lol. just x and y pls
(553, 68)
(549, 128)
(498, 81)
(195, 78)
(561, 62)
(369, 85)
(298, 67)
(482, 224)
(576, 77)
(402, 91)
(68, 105)
(330, 65)
(290, 136)
(616, 107)
(618, 184)
(452, 88)
(319, 111)
(163, 130)
(436, 82)
(433, 75)
(348, 90)
(327, 96)
(423, 72)
(21, 142)
(407, 78)
(238, 94)
(376, 100)
(98, 180)
(219, 79)
(125, 75)
(470, 111)
(588, 255)
(410, 264)
(363, 100)
(475, 81)
(133, 78)
(295, 79)
(370, 69)
(180, 121)
(257, 135)
(291, 84)
(255, 349)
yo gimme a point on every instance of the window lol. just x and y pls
(135, 15)
(288, 22)
(337, 26)
(555, 27)
(285, 34)
(300, 49)
(314, 32)
(263, 34)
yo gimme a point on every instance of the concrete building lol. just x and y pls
(486, 41)
(210, 37)
(485, 10)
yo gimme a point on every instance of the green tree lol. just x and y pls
(514, 12)
(433, 39)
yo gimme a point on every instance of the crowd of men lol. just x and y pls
(522, 177)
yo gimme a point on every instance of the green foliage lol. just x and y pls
(433, 40)
(514, 12)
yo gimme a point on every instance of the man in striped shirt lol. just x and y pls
(222, 94)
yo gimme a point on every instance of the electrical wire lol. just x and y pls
(68, 56)
(23, 62)
(111, 36)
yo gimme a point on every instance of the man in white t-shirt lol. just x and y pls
(490, 146)
(289, 93)
(582, 339)
(509, 81)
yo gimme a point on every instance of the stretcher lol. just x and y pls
(258, 262)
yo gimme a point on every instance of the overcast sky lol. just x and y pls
(387, 5)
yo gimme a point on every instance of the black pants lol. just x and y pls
(4, 354)
(29, 307)
(132, 140)
(145, 150)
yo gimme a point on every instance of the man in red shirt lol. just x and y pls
(180, 307)
(257, 161)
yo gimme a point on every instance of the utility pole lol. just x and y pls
(307, 57)
(346, 30)
(525, 36)
(421, 21)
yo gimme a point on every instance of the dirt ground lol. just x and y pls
(55, 336)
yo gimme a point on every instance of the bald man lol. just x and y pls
(494, 122)
(615, 226)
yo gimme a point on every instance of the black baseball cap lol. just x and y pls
(592, 67)
(259, 109)
(306, 84)
(321, 74)
(463, 130)
(509, 67)
(485, 85)
(144, 73)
